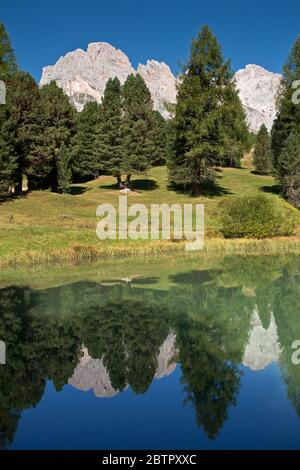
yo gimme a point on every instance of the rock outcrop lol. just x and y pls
(263, 346)
(161, 83)
(91, 374)
(83, 76)
(258, 89)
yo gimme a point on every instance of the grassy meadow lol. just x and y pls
(43, 226)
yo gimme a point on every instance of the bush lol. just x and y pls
(258, 216)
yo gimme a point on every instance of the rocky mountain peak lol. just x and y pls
(258, 89)
(83, 76)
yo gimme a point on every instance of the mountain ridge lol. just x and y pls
(83, 76)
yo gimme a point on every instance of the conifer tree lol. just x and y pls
(137, 126)
(54, 127)
(109, 148)
(8, 159)
(262, 157)
(288, 169)
(288, 113)
(159, 139)
(84, 152)
(64, 172)
(208, 118)
(21, 101)
(7, 58)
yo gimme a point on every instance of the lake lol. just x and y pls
(162, 355)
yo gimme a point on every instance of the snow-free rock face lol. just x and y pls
(258, 89)
(83, 75)
(161, 83)
(91, 374)
(263, 346)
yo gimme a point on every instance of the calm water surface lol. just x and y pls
(198, 358)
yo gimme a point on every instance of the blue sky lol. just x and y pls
(260, 32)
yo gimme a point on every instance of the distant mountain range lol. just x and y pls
(83, 76)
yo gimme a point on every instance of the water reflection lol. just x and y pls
(115, 335)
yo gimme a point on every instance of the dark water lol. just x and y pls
(202, 360)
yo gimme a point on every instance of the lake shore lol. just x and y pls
(45, 227)
(153, 249)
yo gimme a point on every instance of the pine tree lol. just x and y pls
(288, 113)
(22, 100)
(159, 139)
(262, 157)
(7, 58)
(137, 126)
(84, 152)
(109, 149)
(54, 126)
(288, 169)
(8, 160)
(209, 120)
(64, 172)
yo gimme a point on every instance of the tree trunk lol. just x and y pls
(128, 178)
(54, 181)
(119, 179)
(19, 182)
(196, 189)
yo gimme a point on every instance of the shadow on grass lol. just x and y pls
(77, 190)
(146, 280)
(135, 185)
(256, 173)
(275, 189)
(15, 197)
(208, 189)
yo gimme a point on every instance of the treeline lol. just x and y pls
(279, 152)
(43, 137)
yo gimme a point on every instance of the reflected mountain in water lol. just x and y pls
(262, 348)
(91, 374)
(210, 323)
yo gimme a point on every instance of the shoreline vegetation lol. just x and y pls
(58, 166)
(157, 269)
(42, 227)
(153, 249)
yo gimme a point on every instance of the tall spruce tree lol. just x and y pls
(8, 64)
(109, 148)
(262, 157)
(64, 172)
(137, 126)
(84, 161)
(159, 139)
(8, 159)
(53, 129)
(288, 113)
(288, 169)
(22, 100)
(286, 129)
(209, 120)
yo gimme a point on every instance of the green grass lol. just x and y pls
(43, 226)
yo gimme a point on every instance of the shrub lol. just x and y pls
(259, 216)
